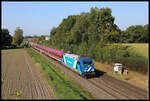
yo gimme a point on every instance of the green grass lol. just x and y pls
(62, 86)
(18, 93)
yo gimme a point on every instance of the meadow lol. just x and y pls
(139, 48)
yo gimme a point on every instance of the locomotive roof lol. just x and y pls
(86, 59)
(75, 56)
(72, 55)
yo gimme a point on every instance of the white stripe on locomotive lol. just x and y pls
(75, 63)
(64, 59)
(89, 69)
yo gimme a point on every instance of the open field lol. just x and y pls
(20, 79)
(140, 48)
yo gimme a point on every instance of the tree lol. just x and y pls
(53, 31)
(18, 36)
(40, 38)
(6, 38)
(91, 28)
(145, 35)
(136, 34)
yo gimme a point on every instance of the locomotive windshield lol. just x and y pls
(87, 63)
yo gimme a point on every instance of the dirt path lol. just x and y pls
(20, 75)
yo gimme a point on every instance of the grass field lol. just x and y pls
(62, 86)
(140, 48)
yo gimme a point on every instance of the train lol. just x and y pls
(82, 65)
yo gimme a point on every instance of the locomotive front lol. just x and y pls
(88, 66)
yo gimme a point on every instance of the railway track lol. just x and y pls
(113, 92)
(102, 85)
(124, 87)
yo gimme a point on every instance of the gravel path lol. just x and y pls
(20, 74)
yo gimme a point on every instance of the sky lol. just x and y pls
(38, 18)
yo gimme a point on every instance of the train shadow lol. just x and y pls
(98, 73)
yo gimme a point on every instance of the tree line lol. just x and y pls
(6, 38)
(9, 41)
(95, 27)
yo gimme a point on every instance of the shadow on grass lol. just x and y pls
(98, 73)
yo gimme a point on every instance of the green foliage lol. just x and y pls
(18, 36)
(137, 63)
(53, 31)
(18, 93)
(98, 25)
(41, 38)
(6, 38)
(82, 49)
(136, 34)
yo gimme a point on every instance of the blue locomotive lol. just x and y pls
(82, 65)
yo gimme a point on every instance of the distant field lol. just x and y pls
(140, 48)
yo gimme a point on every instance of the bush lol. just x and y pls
(136, 63)
(110, 53)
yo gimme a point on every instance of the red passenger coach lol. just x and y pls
(53, 53)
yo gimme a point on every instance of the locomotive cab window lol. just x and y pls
(87, 63)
